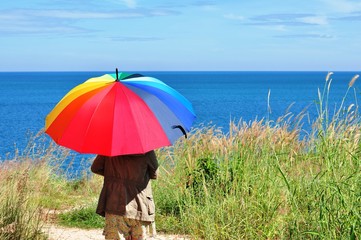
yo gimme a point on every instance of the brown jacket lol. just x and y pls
(127, 189)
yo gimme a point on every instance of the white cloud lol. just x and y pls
(40, 15)
(27, 21)
(234, 17)
(209, 8)
(306, 35)
(280, 28)
(72, 14)
(316, 20)
(127, 3)
(282, 19)
(135, 39)
(24, 27)
(130, 3)
(345, 6)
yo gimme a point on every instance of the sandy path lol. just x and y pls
(62, 233)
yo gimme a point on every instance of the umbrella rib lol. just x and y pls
(156, 84)
(151, 99)
(131, 109)
(188, 111)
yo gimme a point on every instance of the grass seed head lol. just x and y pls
(328, 76)
(353, 80)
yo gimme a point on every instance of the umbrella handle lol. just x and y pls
(181, 128)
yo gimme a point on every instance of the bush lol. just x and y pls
(84, 217)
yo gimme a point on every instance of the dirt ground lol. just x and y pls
(61, 233)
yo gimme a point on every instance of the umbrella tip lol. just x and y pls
(116, 71)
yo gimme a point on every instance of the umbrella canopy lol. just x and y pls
(118, 114)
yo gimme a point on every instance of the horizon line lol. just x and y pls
(44, 71)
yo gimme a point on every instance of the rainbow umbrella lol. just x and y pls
(118, 114)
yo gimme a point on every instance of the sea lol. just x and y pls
(218, 98)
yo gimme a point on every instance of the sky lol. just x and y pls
(183, 35)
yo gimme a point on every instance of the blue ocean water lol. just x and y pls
(217, 97)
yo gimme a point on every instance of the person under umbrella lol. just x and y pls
(122, 118)
(126, 199)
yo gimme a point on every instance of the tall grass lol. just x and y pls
(265, 181)
(19, 215)
(34, 184)
(262, 180)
